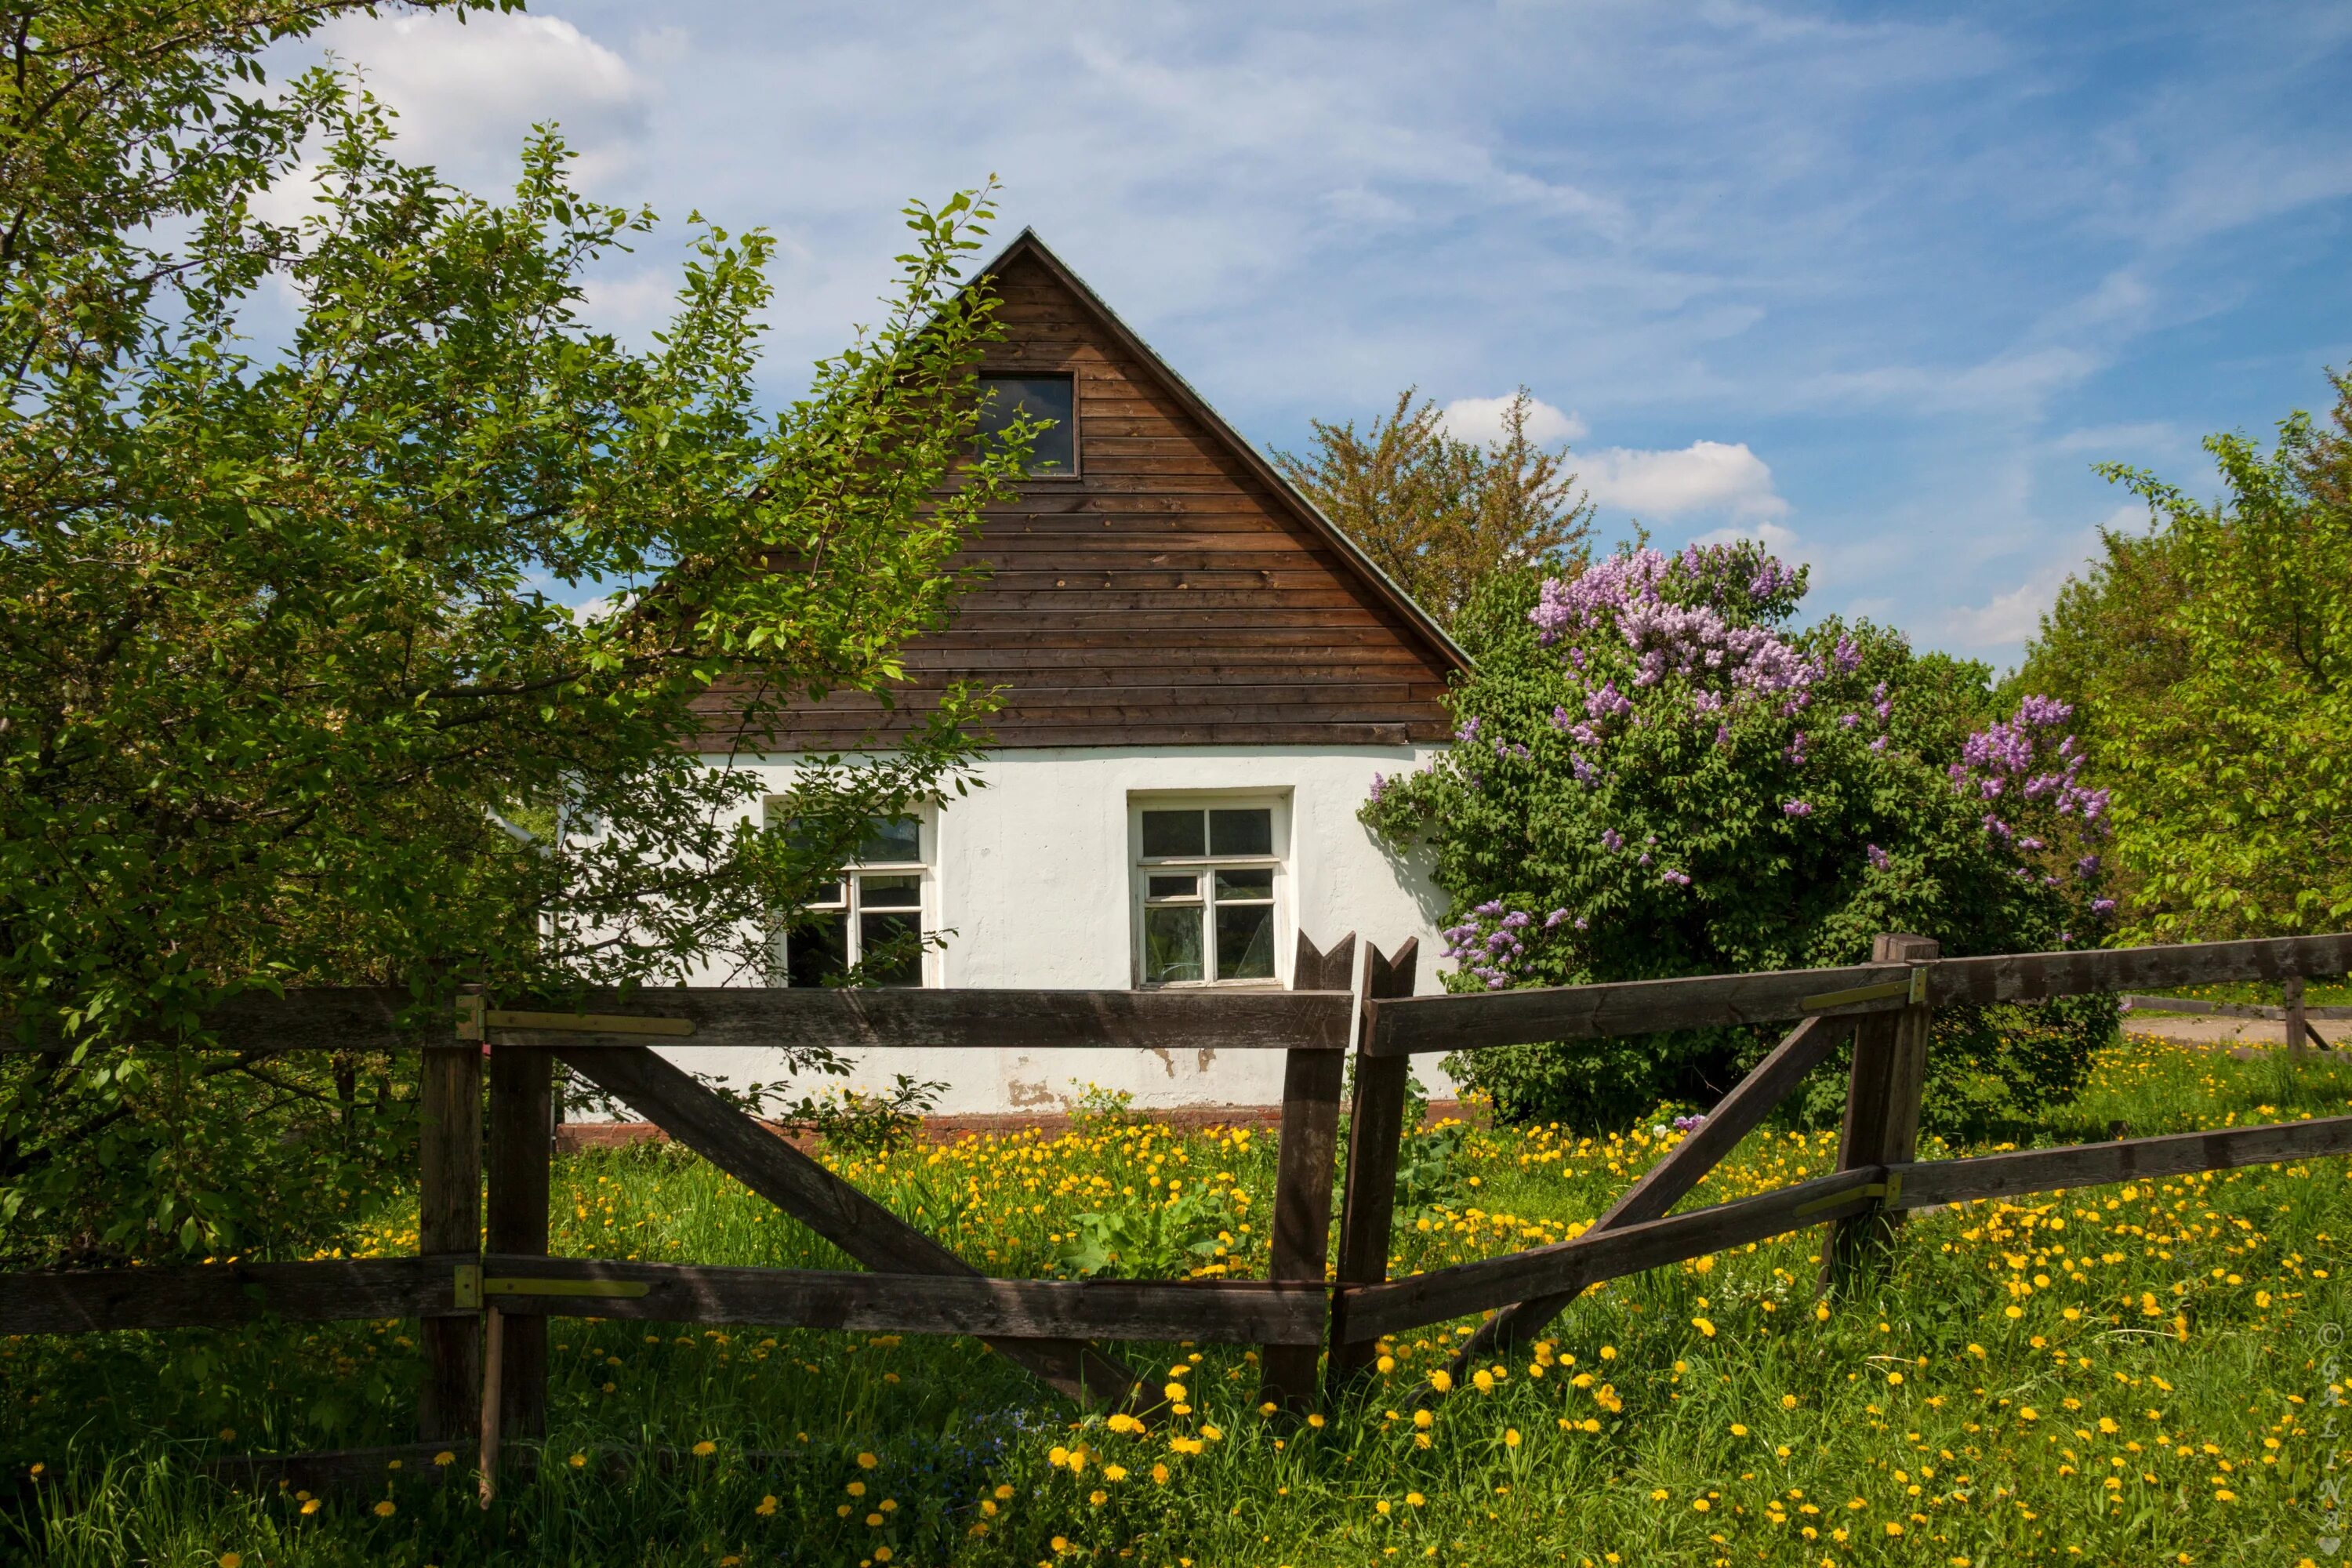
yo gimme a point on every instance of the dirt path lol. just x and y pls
(2226, 1032)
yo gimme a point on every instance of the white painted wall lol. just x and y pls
(1031, 874)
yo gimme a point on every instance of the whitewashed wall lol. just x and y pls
(1032, 875)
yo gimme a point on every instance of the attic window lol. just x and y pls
(1052, 451)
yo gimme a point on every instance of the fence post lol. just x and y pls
(2297, 1020)
(1302, 1179)
(449, 1220)
(1375, 1129)
(1882, 1107)
(521, 1090)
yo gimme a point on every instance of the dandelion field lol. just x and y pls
(2139, 1374)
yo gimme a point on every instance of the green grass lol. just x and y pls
(2190, 1316)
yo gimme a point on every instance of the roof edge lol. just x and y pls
(1028, 242)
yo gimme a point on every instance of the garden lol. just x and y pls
(2136, 1374)
(366, 616)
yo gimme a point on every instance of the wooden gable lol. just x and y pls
(1174, 591)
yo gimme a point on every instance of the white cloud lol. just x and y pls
(1480, 419)
(2009, 619)
(467, 92)
(1704, 477)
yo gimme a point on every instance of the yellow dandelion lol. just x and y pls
(705, 1448)
(386, 1508)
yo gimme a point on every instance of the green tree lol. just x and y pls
(2212, 657)
(1440, 515)
(288, 693)
(1656, 774)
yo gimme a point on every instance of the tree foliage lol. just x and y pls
(1656, 774)
(1440, 514)
(2212, 657)
(287, 691)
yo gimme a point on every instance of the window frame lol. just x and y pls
(1206, 866)
(853, 908)
(1070, 374)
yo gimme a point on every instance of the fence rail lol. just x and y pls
(1422, 1024)
(484, 1284)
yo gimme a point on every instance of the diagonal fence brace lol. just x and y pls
(697, 1117)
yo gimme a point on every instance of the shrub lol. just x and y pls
(1656, 774)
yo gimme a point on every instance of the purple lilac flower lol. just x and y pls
(1468, 730)
(1380, 788)
(1554, 919)
(1797, 807)
(1673, 877)
(2103, 906)
(1612, 840)
(1879, 859)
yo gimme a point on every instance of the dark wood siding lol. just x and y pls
(1168, 595)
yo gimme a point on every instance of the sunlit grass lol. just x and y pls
(2124, 1374)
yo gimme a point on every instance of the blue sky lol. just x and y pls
(1878, 284)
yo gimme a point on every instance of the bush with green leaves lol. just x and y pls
(1656, 774)
(289, 690)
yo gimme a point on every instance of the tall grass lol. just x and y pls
(2128, 1374)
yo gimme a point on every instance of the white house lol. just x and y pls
(1202, 677)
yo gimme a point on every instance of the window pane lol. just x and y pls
(891, 841)
(1004, 398)
(817, 951)
(889, 946)
(1241, 832)
(1231, 885)
(1171, 943)
(890, 892)
(1244, 941)
(1173, 833)
(1184, 886)
(826, 893)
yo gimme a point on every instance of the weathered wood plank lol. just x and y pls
(1219, 1312)
(1375, 1133)
(1569, 1268)
(1422, 1024)
(767, 1017)
(1472, 1021)
(1300, 1246)
(770, 1016)
(1936, 1182)
(223, 1295)
(520, 1149)
(1672, 1179)
(2033, 976)
(1882, 1108)
(695, 1116)
(449, 1220)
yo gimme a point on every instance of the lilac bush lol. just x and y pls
(1657, 773)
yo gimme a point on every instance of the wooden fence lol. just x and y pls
(484, 1285)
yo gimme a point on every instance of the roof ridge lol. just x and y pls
(1029, 241)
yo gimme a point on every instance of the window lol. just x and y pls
(1052, 451)
(873, 915)
(1207, 880)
